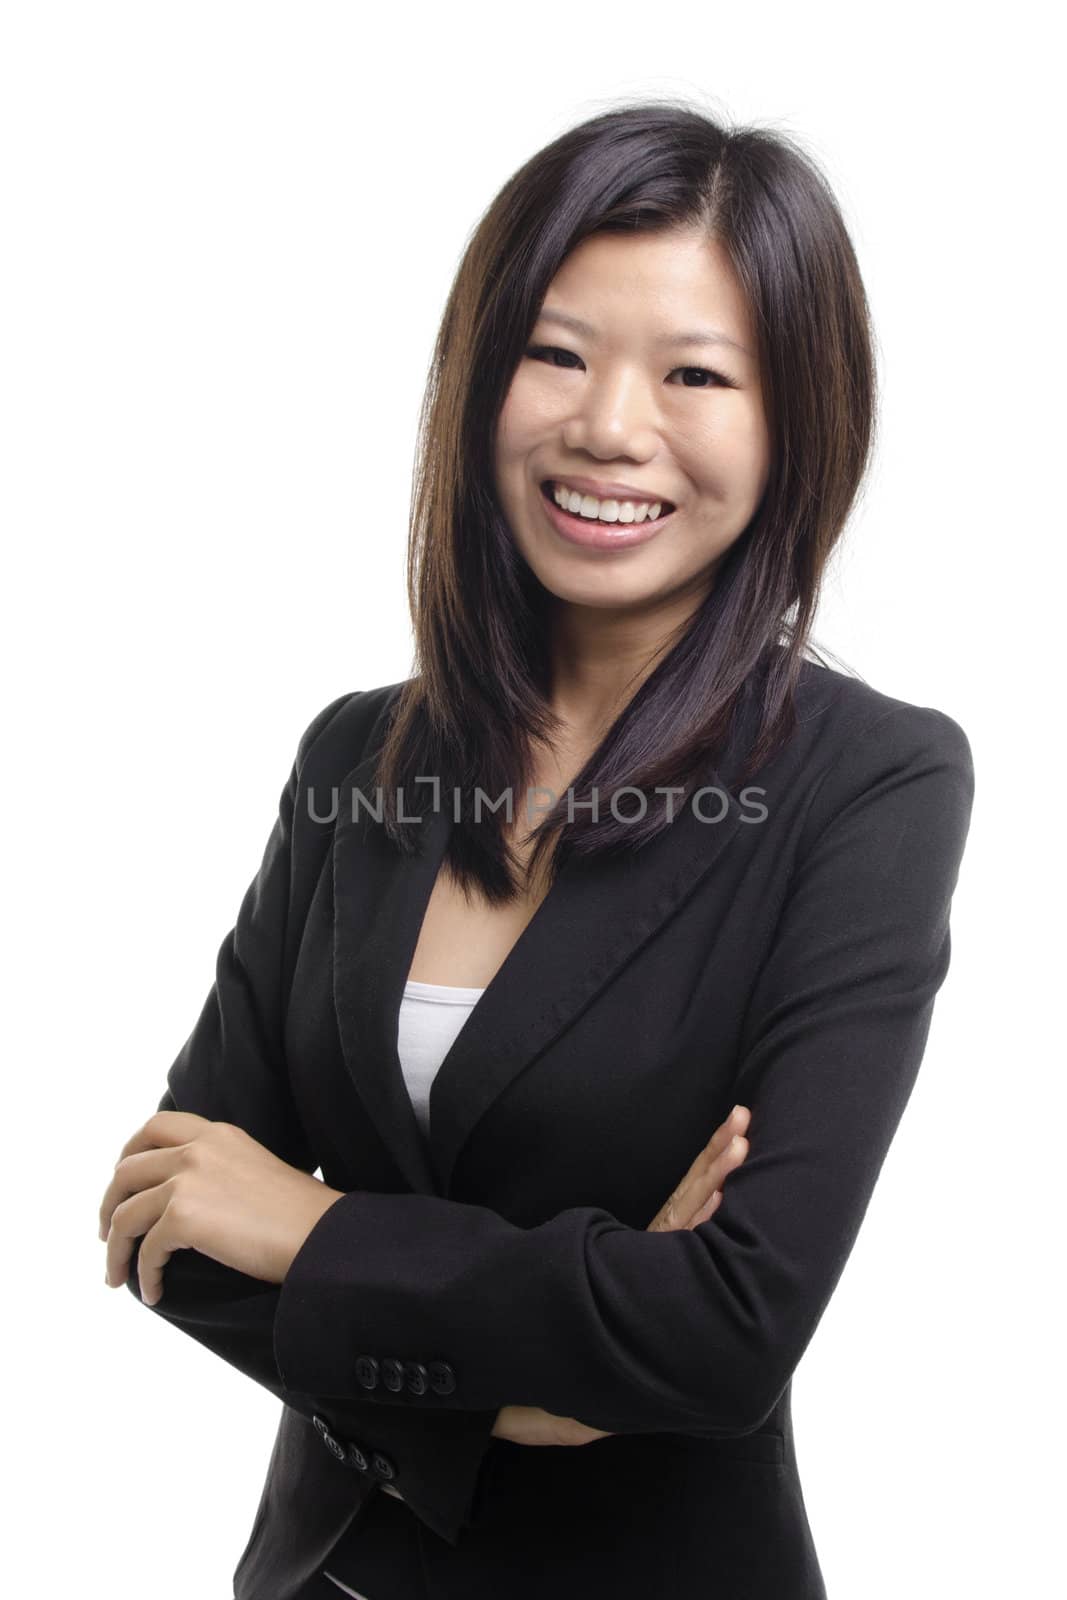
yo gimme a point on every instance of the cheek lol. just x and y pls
(526, 414)
(734, 460)
(511, 446)
(749, 443)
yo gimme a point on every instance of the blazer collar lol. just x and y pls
(594, 918)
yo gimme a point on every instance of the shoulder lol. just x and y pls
(339, 735)
(863, 746)
(837, 712)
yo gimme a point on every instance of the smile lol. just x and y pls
(593, 534)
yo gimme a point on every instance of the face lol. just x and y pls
(612, 405)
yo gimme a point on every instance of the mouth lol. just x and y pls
(547, 490)
(595, 534)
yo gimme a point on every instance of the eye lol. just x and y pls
(705, 372)
(545, 352)
(539, 352)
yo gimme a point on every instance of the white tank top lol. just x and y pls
(431, 1015)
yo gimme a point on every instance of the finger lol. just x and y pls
(581, 1433)
(718, 1170)
(737, 1122)
(132, 1174)
(131, 1219)
(157, 1247)
(683, 1205)
(163, 1129)
(708, 1210)
(707, 1170)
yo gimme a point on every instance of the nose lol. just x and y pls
(612, 418)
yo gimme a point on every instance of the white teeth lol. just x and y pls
(604, 510)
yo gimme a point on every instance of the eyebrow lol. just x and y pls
(693, 337)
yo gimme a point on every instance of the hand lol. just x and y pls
(531, 1425)
(699, 1194)
(186, 1183)
(695, 1200)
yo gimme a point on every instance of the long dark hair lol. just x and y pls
(478, 700)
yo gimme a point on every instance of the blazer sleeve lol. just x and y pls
(232, 1068)
(694, 1331)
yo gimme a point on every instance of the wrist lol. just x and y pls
(319, 1200)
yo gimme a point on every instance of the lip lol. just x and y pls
(600, 535)
(605, 490)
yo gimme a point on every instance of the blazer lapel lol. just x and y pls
(595, 917)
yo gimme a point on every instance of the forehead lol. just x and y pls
(652, 286)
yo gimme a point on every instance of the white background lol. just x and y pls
(229, 233)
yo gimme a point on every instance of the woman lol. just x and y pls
(697, 959)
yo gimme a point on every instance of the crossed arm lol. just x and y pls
(834, 1035)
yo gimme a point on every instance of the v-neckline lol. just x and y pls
(435, 846)
(594, 916)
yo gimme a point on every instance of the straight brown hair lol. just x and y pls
(477, 703)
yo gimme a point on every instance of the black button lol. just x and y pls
(367, 1372)
(393, 1374)
(382, 1465)
(321, 1424)
(357, 1458)
(417, 1377)
(442, 1377)
(334, 1446)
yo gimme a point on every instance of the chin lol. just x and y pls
(598, 590)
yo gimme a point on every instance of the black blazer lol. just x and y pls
(789, 963)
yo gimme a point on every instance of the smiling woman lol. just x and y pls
(696, 338)
(702, 449)
(599, 1103)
